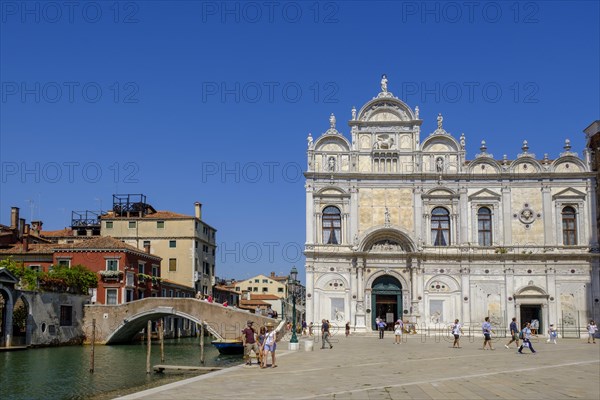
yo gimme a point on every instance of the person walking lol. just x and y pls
(325, 334)
(526, 336)
(347, 328)
(552, 334)
(304, 327)
(456, 329)
(398, 331)
(486, 327)
(592, 329)
(249, 341)
(381, 326)
(514, 333)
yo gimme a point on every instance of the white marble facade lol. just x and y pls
(403, 225)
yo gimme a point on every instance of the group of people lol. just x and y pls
(262, 344)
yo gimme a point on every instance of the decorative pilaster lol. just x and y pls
(549, 238)
(310, 211)
(463, 204)
(506, 216)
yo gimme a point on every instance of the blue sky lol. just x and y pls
(212, 102)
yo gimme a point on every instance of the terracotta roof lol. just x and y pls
(57, 233)
(227, 289)
(33, 248)
(253, 303)
(101, 243)
(264, 297)
(175, 284)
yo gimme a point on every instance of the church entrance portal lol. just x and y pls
(386, 300)
(532, 313)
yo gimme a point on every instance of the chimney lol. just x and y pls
(26, 238)
(272, 274)
(198, 210)
(21, 227)
(37, 226)
(147, 248)
(14, 217)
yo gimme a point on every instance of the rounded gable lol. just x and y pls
(384, 109)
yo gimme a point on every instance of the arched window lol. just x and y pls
(332, 225)
(440, 227)
(569, 225)
(484, 226)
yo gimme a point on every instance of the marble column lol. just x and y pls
(310, 290)
(506, 216)
(549, 238)
(463, 217)
(310, 218)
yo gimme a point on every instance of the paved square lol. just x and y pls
(364, 367)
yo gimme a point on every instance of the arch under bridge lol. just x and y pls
(120, 323)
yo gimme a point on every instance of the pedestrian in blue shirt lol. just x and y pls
(526, 333)
(381, 325)
(486, 327)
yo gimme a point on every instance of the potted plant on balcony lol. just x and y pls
(143, 278)
(111, 275)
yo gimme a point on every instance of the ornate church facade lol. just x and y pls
(403, 225)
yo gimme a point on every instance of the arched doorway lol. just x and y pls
(386, 300)
(19, 323)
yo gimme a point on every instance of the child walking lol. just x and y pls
(552, 334)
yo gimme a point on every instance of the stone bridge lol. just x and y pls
(120, 323)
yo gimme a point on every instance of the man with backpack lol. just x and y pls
(525, 335)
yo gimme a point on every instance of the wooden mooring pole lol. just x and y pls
(201, 343)
(93, 344)
(161, 335)
(149, 346)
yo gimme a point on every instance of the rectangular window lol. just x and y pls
(265, 289)
(111, 296)
(112, 265)
(172, 264)
(108, 224)
(213, 252)
(255, 289)
(205, 248)
(195, 243)
(160, 224)
(66, 315)
(35, 268)
(155, 270)
(64, 263)
(172, 243)
(280, 290)
(146, 243)
(170, 292)
(256, 280)
(141, 268)
(164, 292)
(237, 288)
(249, 288)
(265, 281)
(132, 224)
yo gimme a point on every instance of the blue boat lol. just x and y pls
(229, 346)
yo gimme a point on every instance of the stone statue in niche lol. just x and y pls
(353, 113)
(331, 164)
(439, 164)
(387, 217)
(462, 141)
(332, 121)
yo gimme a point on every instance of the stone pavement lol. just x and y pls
(364, 367)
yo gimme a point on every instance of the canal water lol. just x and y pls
(63, 372)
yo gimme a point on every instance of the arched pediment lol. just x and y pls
(384, 239)
(440, 144)
(532, 290)
(442, 283)
(331, 191)
(337, 281)
(332, 143)
(440, 193)
(568, 164)
(483, 167)
(525, 165)
(385, 109)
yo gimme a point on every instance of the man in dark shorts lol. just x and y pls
(514, 333)
(249, 340)
(486, 327)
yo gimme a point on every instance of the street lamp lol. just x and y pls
(292, 282)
